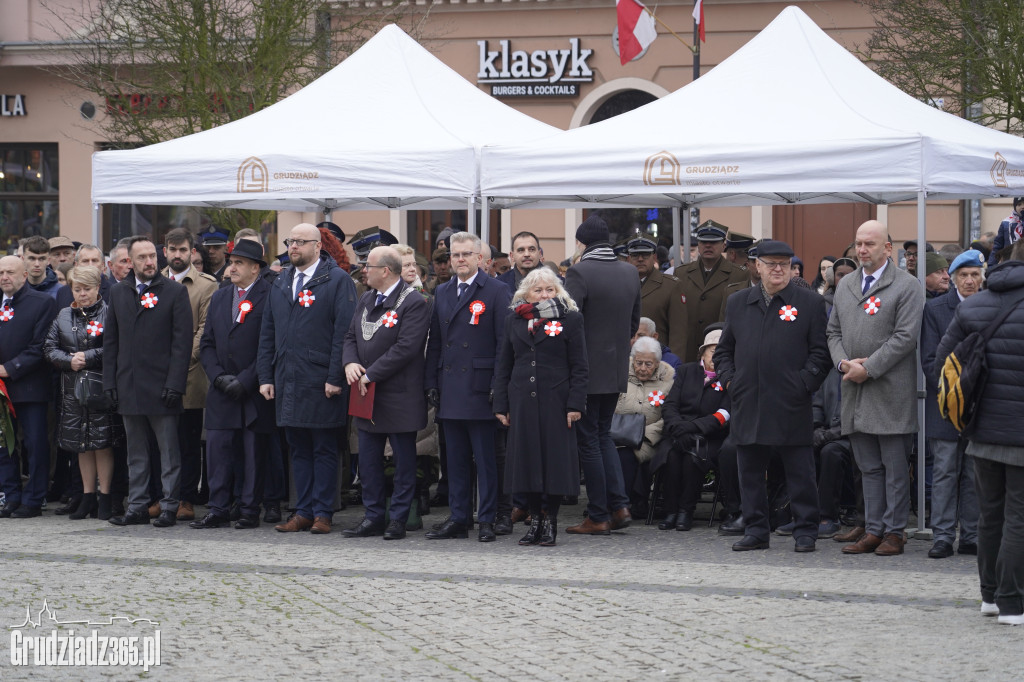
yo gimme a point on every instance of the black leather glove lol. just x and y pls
(234, 390)
(820, 437)
(101, 403)
(112, 399)
(684, 429)
(434, 398)
(171, 398)
(221, 382)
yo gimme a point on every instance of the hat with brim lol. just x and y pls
(710, 340)
(60, 243)
(735, 240)
(213, 236)
(249, 248)
(710, 231)
(639, 245)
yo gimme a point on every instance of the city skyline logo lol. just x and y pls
(48, 615)
(253, 176)
(661, 169)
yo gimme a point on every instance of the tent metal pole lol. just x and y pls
(97, 214)
(675, 234)
(471, 215)
(686, 235)
(922, 531)
(485, 224)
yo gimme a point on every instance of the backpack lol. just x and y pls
(964, 374)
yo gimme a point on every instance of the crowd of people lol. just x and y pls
(162, 378)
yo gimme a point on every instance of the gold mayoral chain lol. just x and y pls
(370, 328)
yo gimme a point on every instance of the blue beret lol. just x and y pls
(971, 258)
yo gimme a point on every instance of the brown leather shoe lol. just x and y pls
(588, 527)
(852, 535)
(891, 545)
(186, 512)
(621, 518)
(519, 515)
(154, 510)
(294, 524)
(321, 526)
(867, 544)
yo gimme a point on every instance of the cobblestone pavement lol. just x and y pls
(643, 604)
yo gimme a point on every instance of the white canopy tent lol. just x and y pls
(390, 127)
(791, 117)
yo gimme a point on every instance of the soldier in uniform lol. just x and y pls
(215, 241)
(362, 242)
(705, 281)
(736, 247)
(661, 295)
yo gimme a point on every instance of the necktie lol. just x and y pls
(241, 294)
(462, 288)
(141, 287)
(380, 300)
(867, 284)
(7, 303)
(299, 278)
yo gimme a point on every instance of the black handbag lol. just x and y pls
(88, 387)
(628, 430)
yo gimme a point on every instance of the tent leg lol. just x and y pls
(686, 235)
(922, 532)
(675, 236)
(471, 215)
(485, 224)
(97, 214)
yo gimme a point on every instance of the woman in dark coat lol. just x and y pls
(696, 418)
(74, 345)
(540, 390)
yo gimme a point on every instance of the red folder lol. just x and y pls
(361, 405)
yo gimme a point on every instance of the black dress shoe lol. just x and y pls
(211, 520)
(166, 519)
(395, 531)
(136, 518)
(272, 513)
(364, 529)
(23, 512)
(448, 530)
(9, 509)
(439, 500)
(940, 550)
(684, 521)
(749, 542)
(669, 523)
(804, 543)
(235, 512)
(247, 522)
(503, 525)
(733, 526)
(487, 533)
(71, 506)
(967, 548)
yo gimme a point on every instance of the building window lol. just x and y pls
(29, 198)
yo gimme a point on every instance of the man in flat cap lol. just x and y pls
(662, 295)
(704, 283)
(772, 357)
(215, 241)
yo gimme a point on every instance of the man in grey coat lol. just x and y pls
(607, 292)
(872, 336)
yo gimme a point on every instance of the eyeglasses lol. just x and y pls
(460, 255)
(300, 242)
(774, 266)
(374, 266)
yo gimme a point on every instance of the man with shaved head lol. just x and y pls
(300, 367)
(384, 348)
(872, 335)
(25, 317)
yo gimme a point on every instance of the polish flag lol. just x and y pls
(698, 18)
(636, 29)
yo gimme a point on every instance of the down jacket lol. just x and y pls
(999, 412)
(81, 329)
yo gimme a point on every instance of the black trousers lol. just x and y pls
(834, 459)
(190, 434)
(1001, 534)
(683, 478)
(798, 463)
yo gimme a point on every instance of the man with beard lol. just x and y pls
(526, 257)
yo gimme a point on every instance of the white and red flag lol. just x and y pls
(636, 29)
(698, 18)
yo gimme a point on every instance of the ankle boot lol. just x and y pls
(71, 506)
(548, 532)
(85, 508)
(669, 523)
(533, 535)
(103, 508)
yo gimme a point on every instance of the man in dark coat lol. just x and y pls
(467, 326)
(87, 254)
(384, 347)
(774, 347)
(953, 495)
(300, 363)
(146, 349)
(25, 317)
(239, 420)
(607, 292)
(661, 295)
(705, 283)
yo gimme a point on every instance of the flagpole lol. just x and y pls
(691, 48)
(696, 49)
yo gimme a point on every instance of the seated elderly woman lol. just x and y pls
(696, 418)
(650, 379)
